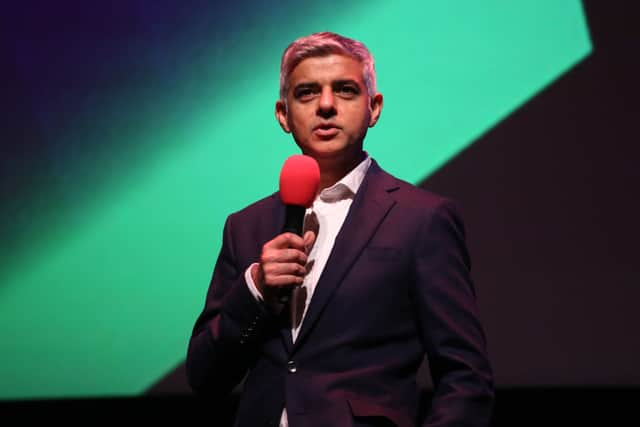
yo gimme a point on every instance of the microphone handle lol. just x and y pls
(294, 219)
(293, 223)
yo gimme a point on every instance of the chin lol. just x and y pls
(327, 149)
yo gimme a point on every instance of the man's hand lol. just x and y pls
(282, 263)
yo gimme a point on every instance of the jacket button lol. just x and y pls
(291, 366)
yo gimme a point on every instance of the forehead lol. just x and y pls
(325, 69)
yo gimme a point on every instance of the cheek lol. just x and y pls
(358, 116)
(300, 121)
(294, 125)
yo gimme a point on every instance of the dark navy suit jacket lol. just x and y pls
(396, 287)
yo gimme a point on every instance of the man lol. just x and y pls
(382, 275)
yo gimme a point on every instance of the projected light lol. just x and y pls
(106, 306)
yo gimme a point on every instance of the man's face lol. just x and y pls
(328, 109)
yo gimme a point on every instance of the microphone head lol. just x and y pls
(299, 180)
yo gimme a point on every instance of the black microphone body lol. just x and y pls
(294, 219)
(293, 223)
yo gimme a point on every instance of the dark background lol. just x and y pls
(553, 230)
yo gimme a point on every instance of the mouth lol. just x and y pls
(326, 130)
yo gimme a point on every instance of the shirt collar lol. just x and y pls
(349, 184)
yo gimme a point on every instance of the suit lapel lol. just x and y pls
(370, 206)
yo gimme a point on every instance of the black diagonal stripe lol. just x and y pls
(551, 202)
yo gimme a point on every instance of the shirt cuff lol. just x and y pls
(252, 286)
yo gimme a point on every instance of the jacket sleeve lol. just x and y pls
(227, 334)
(449, 323)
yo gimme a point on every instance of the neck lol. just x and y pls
(333, 170)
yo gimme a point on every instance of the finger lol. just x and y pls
(283, 256)
(286, 240)
(275, 270)
(284, 280)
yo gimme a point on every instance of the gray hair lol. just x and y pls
(323, 44)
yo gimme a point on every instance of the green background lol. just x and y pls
(102, 303)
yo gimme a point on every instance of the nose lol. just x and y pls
(326, 104)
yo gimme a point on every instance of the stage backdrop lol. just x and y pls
(131, 129)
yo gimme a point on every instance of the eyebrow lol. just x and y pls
(306, 85)
(335, 83)
(345, 82)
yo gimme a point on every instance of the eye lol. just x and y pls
(304, 93)
(348, 90)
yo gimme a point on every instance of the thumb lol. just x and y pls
(309, 238)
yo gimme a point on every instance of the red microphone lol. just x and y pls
(299, 182)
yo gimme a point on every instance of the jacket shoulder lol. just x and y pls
(404, 192)
(257, 208)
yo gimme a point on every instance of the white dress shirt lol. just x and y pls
(325, 217)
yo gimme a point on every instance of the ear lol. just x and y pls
(281, 116)
(376, 109)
